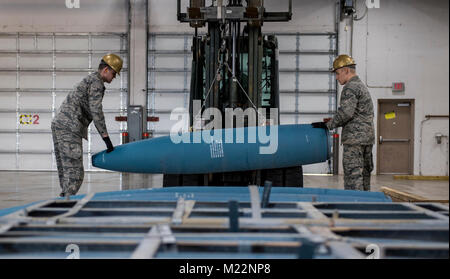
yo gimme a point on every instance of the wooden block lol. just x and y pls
(399, 196)
(421, 177)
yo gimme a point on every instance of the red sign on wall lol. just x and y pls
(398, 87)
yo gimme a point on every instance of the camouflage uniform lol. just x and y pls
(70, 125)
(355, 116)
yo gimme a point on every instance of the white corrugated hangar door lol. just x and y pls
(37, 71)
(307, 87)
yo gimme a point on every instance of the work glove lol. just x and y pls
(319, 125)
(109, 144)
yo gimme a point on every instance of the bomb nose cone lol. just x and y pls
(98, 159)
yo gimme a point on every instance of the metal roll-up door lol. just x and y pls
(37, 72)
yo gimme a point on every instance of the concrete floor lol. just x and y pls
(19, 188)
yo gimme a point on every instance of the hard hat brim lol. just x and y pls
(118, 73)
(334, 70)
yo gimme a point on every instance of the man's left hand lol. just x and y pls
(319, 125)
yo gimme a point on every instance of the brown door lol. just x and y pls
(395, 137)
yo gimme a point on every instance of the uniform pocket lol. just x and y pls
(75, 151)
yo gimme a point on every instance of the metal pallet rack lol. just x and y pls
(229, 222)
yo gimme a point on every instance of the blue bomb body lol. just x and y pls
(227, 150)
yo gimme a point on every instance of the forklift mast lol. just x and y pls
(234, 66)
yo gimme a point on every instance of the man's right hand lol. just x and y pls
(109, 144)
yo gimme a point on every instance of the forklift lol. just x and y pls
(234, 66)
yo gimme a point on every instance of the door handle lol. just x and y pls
(393, 140)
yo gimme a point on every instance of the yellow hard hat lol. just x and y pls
(114, 61)
(343, 60)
